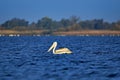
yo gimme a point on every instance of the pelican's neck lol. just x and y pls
(55, 45)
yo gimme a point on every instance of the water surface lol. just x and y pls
(93, 58)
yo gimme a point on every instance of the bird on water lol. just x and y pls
(59, 51)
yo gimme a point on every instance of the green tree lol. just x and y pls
(15, 22)
(115, 25)
(74, 20)
(65, 22)
(45, 23)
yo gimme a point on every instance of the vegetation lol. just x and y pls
(48, 25)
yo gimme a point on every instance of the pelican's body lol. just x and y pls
(59, 51)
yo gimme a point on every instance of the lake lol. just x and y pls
(93, 58)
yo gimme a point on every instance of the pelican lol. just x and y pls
(59, 51)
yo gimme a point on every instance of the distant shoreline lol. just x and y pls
(62, 33)
(89, 32)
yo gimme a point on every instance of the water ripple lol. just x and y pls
(93, 58)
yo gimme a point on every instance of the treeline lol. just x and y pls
(71, 24)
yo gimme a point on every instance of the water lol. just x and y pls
(93, 58)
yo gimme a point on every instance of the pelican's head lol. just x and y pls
(53, 46)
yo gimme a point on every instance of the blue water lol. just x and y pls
(93, 58)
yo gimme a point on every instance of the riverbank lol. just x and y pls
(89, 32)
(46, 32)
(25, 32)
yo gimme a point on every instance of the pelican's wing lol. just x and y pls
(63, 50)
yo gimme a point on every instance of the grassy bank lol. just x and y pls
(89, 32)
(25, 32)
(45, 32)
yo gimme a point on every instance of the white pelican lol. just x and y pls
(59, 51)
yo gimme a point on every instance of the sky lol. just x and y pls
(33, 10)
